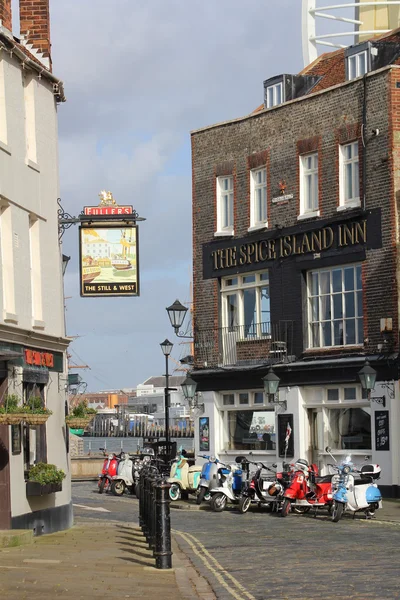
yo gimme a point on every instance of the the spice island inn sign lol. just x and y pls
(109, 249)
(311, 240)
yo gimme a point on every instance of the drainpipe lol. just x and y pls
(363, 133)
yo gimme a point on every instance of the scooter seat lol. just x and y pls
(195, 469)
(324, 479)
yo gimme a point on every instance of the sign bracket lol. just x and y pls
(65, 220)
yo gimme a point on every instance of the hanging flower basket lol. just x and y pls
(11, 418)
(78, 422)
(36, 418)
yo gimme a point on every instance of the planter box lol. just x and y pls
(34, 488)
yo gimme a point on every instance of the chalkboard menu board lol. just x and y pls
(382, 430)
(285, 436)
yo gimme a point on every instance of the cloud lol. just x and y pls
(139, 75)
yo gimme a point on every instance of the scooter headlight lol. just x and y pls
(346, 469)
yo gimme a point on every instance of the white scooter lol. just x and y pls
(229, 491)
(125, 478)
(355, 490)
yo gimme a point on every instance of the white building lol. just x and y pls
(32, 331)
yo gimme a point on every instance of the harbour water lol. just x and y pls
(127, 444)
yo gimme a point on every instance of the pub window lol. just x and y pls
(251, 430)
(335, 307)
(34, 438)
(246, 305)
(258, 194)
(309, 185)
(357, 65)
(225, 205)
(349, 175)
(348, 428)
(274, 95)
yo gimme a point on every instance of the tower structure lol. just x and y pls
(352, 22)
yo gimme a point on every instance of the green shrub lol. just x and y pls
(44, 473)
(81, 410)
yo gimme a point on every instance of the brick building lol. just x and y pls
(295, 234)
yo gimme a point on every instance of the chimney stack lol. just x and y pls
(34, 16)
(5, 14)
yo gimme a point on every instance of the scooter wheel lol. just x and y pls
(286, 507)
(218, 502)
(102, 484)
(337, 511)
(301, 510)
(118, 488)
(244, 504)
(174, 492)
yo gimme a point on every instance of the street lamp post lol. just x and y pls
(166, 347)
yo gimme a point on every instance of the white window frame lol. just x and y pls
(226, 409)
(222, 227)
(354, 161)
(356, 58)
(238, 289)
(359, 338)
(255, 188)
(305, 172)
(275, 87)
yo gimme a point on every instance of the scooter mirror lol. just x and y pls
(366, 457)
(273, 465)
(240, 459)
(328, 449)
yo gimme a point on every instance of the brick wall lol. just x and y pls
(328, 118)
(5, 14)
(34, 18)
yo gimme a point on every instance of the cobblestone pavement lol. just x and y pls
(260, 555)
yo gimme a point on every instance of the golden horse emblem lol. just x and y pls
(106, 199)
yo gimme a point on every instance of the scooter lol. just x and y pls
(110, 468)
(125, 478)
(230, 489)
(354, 494)
(210, 477)
(307, 490)
(266, 491)
(184, 480)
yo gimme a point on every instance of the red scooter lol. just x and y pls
(110, 469)
(307, 489)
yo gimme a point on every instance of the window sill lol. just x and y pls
(38, 324)
(10, 318)
(227, 233)
(326, 349)
(32, 165)
(258, 227)
(349, 205)
(309, 215)
(245, 452)
(5, 147)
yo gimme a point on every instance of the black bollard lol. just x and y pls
(162, 552)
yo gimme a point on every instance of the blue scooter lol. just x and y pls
(210, 477)
(354, 490)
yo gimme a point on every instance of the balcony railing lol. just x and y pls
(244, 344)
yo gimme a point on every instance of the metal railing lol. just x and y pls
(244, 344)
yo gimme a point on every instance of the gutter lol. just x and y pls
(8, 43)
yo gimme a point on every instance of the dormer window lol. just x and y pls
(274, 95)
(358, 61)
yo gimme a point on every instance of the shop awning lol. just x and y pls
(6, 354)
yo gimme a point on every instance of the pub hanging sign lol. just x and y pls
(109, 252)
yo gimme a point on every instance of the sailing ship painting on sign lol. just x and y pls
(109, 260)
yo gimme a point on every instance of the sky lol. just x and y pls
(139, 75)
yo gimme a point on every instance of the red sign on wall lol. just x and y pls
(108, 210)
(39, 359)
